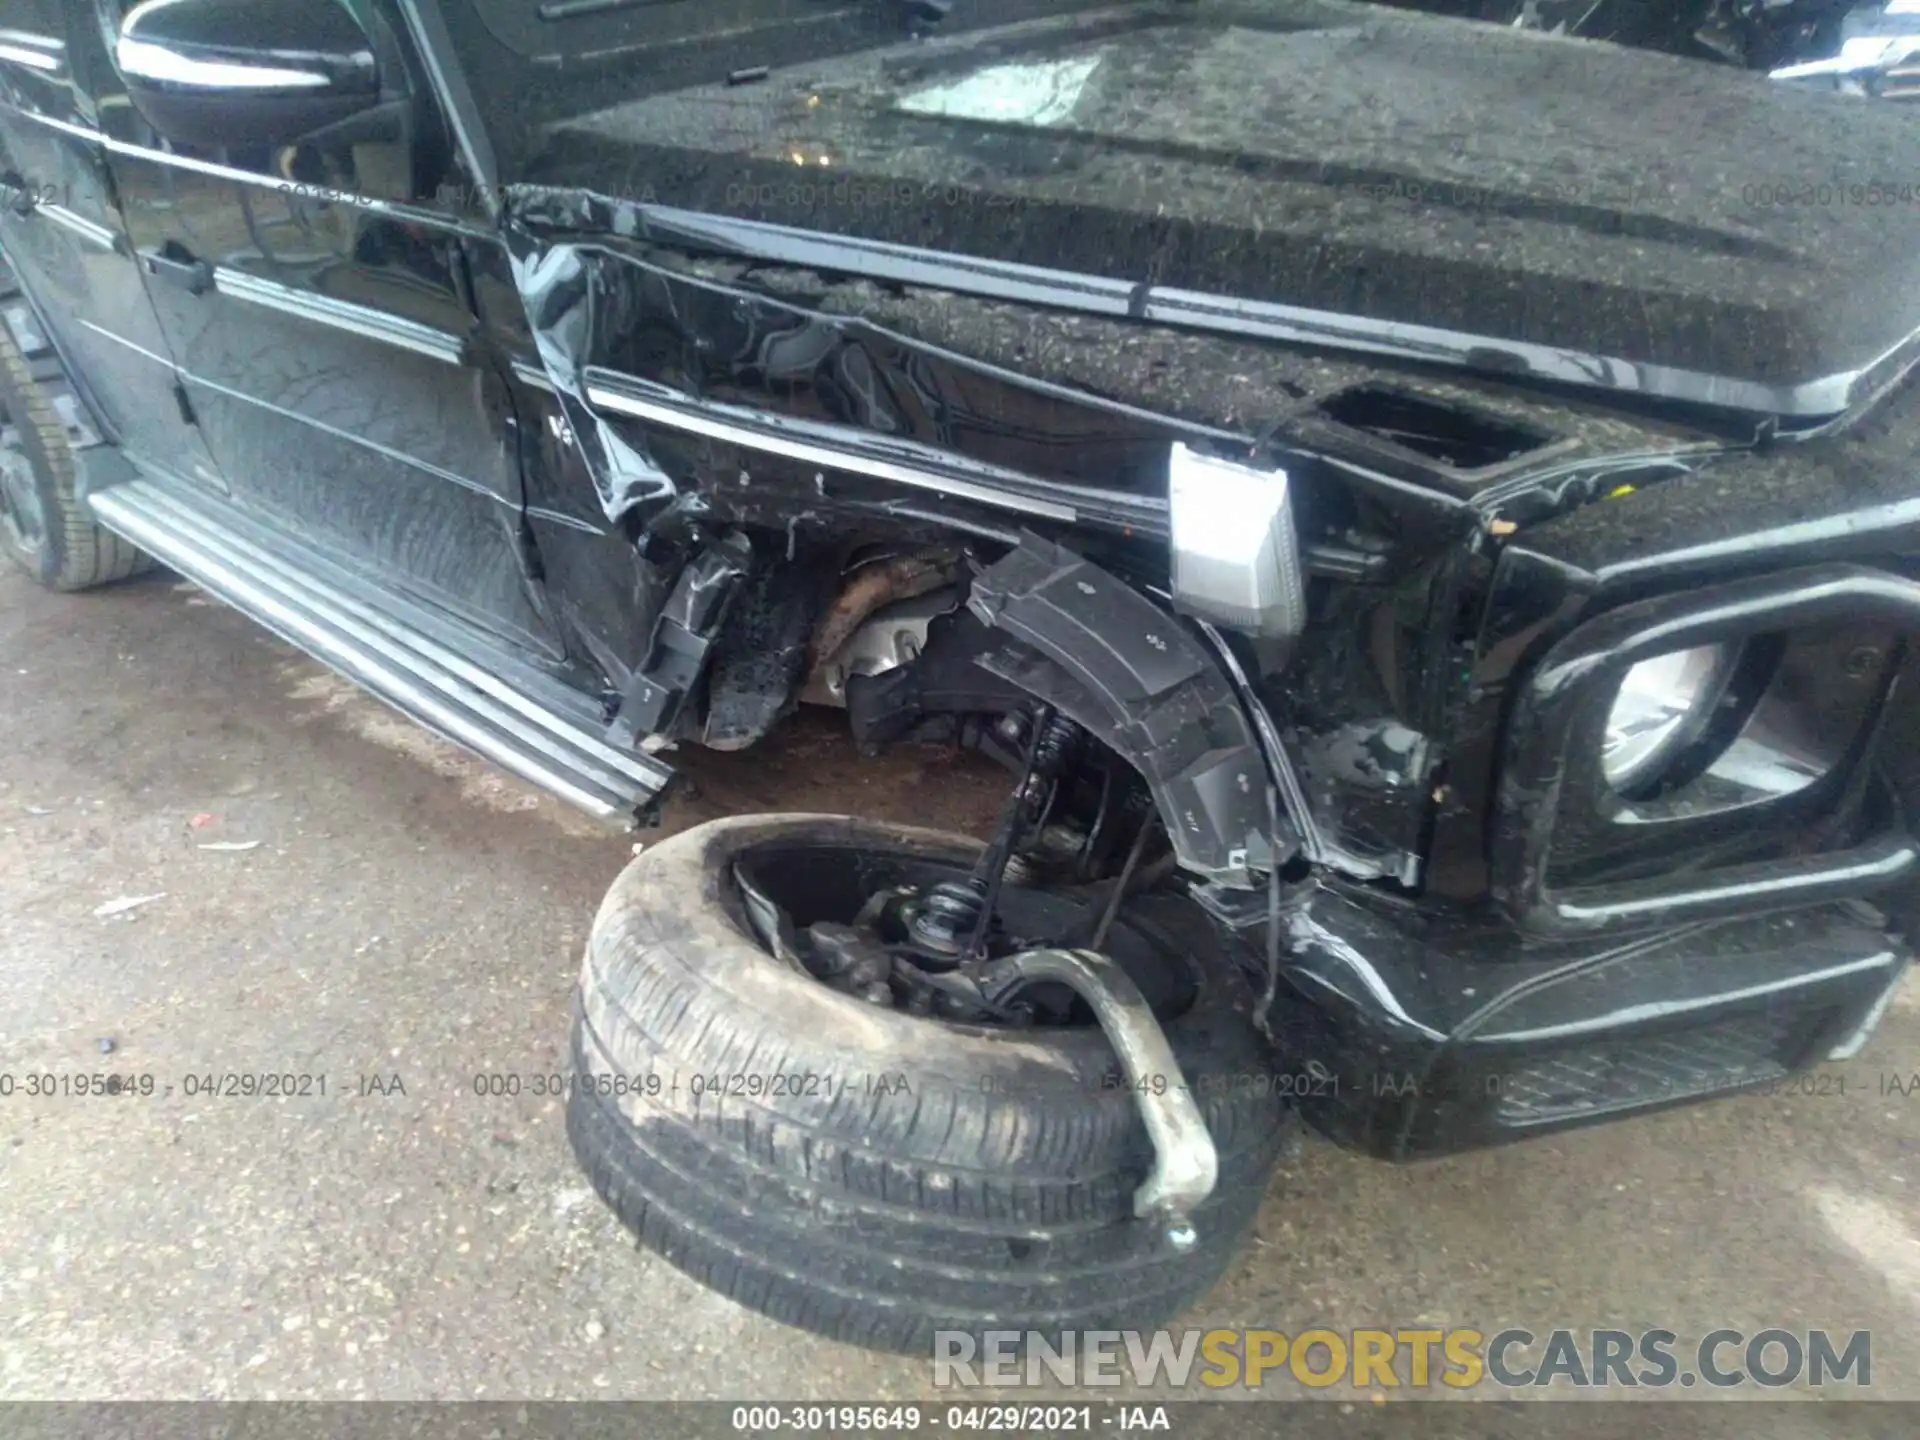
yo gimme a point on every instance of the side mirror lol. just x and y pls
(212, 73)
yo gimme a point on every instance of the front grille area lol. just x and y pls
(1628, 1073)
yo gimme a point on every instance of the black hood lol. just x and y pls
(1520, 202)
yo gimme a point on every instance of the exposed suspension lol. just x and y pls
(952, 921)
(1054, 746)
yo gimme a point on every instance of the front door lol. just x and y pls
(62, 235)
(315, 297)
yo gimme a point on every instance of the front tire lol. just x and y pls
(875, 1176)
(44, 526)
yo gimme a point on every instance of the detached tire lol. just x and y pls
(749, 1123)
(44, 527)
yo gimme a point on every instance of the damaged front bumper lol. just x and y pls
(1407, 1039)
(1410, 1030)
(1625, 952)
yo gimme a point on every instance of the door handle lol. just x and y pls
(177, 265)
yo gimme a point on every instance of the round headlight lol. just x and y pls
(1662, 704)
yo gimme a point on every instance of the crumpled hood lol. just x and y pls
(1453, 185)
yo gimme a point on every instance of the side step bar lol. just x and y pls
(460, 698)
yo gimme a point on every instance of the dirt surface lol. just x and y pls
(407, 912)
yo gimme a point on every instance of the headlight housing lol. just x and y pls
(1663, 703)
(1743, 720)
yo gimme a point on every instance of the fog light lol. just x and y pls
(1663, 703)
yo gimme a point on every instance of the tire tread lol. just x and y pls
(873, 1217)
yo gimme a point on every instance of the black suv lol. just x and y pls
(1428, 516)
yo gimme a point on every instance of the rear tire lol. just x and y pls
(993, 1191)
(44, 526)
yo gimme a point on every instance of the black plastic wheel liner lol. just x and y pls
(1102, 653)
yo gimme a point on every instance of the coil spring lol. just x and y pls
(1054, 747)
(948, 915)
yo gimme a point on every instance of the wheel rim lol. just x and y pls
(21, 516)
(784, 893)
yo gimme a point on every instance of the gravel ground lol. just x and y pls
(407, 918)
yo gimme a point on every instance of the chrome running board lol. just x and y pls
(500, 709)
